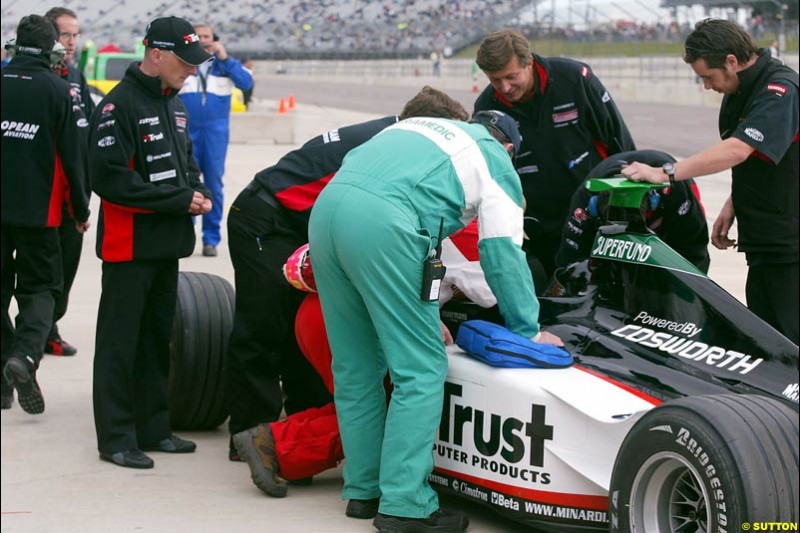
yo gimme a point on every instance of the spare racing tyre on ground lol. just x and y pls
(203, 323)
(707, 463)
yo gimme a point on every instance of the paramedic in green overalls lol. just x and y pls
(372, 230)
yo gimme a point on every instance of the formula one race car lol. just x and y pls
(680, 413)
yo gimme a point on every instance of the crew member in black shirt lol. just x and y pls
(43, 165)
(758, 124)
(568, 122)
(143, 169)
(66, 23)
(267, 222)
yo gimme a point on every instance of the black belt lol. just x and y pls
(255, 189)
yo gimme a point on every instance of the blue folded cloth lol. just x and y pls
(495, 345)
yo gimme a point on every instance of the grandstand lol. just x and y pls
(361, 29)
(297, 29)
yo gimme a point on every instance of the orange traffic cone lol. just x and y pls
(291, 101)
(282, 107)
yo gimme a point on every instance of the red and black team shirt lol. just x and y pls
(43, 146)
(143, 169)
(766, 197)
(568, 126)
(298, 178)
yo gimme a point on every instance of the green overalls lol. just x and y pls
(370, 232)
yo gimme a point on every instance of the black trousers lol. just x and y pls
(772, 294)
(30, 269)
(131, 360)
(71, 244)
(263, 351)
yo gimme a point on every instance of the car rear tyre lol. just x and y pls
(707, 463)
(203, 323)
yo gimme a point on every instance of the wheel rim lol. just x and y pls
(667, 495)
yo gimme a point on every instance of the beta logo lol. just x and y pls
(754, 134)
(151, 137)
(108, 108)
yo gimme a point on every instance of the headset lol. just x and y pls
(55, 55)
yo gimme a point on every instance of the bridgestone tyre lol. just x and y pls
(707, 464)
(203, 323)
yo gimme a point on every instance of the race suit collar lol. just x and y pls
(28, 61)
(541, 73)
(748, 76)
(149, 84)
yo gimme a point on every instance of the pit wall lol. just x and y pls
(653, 79)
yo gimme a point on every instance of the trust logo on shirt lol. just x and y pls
(150, 137)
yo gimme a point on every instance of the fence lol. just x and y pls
(652, 68)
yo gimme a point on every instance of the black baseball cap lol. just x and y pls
(178, 36)
(502, 122)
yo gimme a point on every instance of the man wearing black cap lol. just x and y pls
(142, 168)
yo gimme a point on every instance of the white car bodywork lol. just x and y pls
(538, 444)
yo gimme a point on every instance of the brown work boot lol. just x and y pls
(257, 447)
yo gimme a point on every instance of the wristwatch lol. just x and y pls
(669, 170)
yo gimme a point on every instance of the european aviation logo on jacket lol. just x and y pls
(19, 130)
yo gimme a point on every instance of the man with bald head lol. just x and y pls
(142, 168)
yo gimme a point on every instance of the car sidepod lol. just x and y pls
(536, 445)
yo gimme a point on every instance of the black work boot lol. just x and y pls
(362, 508)
(438, 522)
(257, 447)
(21, 374)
